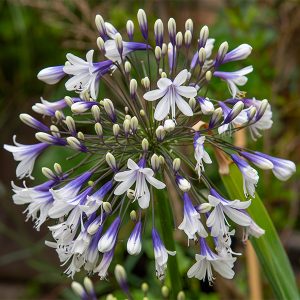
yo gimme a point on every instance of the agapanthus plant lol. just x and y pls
(158, 130)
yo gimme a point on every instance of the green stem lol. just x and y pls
(164, 210)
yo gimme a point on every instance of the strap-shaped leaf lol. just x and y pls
(271, 254)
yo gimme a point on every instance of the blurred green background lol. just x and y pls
(38, 33)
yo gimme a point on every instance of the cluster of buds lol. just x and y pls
(127, 144)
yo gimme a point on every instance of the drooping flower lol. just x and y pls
(224, 208)
(51, 75)
(134, 243)
(171, 93)
(139, 175)
(108, 239)
(161, 254)
(207, 260)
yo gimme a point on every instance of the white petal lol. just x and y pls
(125, 185)
(122, 176)
(132, 165)
(156, 183)
(186, 91)
(183, 106)
(154, 95)
(181, 78)
(163, 83)
(162, 108)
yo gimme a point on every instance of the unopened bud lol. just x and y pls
(160, 133)
(176, 164)
(189, 25)
(146, 83)
(142, 20)
(69, 101)
(107, 207)
(208, 75)
(80, 135)
(161, 160)
(222, 52)
(58, 169)
(204, 208)
(165, 291)
(215, 117)
(59, 115)
(169, 125)
(130, 29)
(183, 184)
(48, 173)
(130, 194)
(188, 38)
(126, 126)
(145, 145)
(96, 112)
(235, 111)
(262, 109)
(100, 24)
(74, 143)
(192, 103)
(133, 87)
(155, 162)
(119, 43)
(98, 129)
(78, 289)
(127, 67)
(172, 31)
(101, 44)
(120, 274)
(85, 95)
(109, 109)
(88, 284)
(133, 215)
(181, 295)
(32, 122)
(201, 56)
(142, 113)
(91, 183)
(251, 113)
(204, 33)
(111, 161)
(159, 32)
(163, 75)
(55, 131)
(164, 49)
(157, 53)
(145, 287)
(116, 129)
(71, 125)
(179, 39)
(134, 123)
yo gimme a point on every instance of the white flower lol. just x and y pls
(171, 93)
(139, 176)
(208, 260)
(200, 154)
(222, 208)
(250, 175)
(191, 223)
(86, 74)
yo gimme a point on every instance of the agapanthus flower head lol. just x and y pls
(155, 128)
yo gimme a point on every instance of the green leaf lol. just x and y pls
(271, 254)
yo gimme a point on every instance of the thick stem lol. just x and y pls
(164, 211)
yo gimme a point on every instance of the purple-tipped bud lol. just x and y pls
(234, 112)
(172, 31)
(109, 238)
(51, 75)
(134, 243)
(159, 32)
(130, 29)
(32, 122)
(142, 20)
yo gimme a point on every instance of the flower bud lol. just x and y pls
(88, 284)
(165, 291)
(75, 144)
(100, 24)
(189, 25)
(163, 75)
(159, 32)
(134, 243)
(223, 49)
(145, 145)
(80, 136)
(120, 275)
(146, 83)
(101, 44)
(235, 111)
(145, 287)
(95, 110)
(164, 49)
(111, 161)
(119, 43)
(157, 53)
(32, 122)
(208, 75)
(133, 88)
(126, 126)
(127, 67)
(59, 115)
(133, 215)
(262, 109)
(169, 125)
(201, 56)
(58, 169)
(134, 123)
(183, 184)
(251, 113)
(130, 29)
(130, 194)
(172, 31)
(109, 109)
(160, 133)
(142, 20)
(85, 95)
(142, 113)
(116, 129)
(161, 160)
(181, 295)
(188, 38)
(55, 131)
(78, 289)
(71, 125)
(48, 173)
(107, 207)
(179, 39)
(176, 164)
(155, 162)
(204, 208)
(69, 101)
(204, 33)
(216, 117)
(99, 130)
(192, 103)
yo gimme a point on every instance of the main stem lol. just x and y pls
(164, 211)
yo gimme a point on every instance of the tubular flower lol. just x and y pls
(136, 142)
